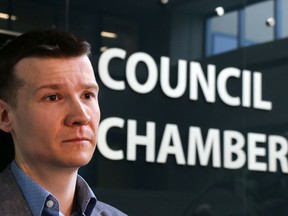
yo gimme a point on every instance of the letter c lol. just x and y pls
(102, 144)
(103, 66)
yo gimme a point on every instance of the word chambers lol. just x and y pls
(210, 84)
(228, 149)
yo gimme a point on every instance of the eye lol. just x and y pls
(52, 98)
(88, 95)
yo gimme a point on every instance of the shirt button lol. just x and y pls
(49, 203)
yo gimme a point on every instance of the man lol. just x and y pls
(49, 104)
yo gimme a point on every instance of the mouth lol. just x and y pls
(77, 140)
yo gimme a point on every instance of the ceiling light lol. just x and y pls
(220, 11)
(164, 1)
(6, 16)
(108, 34)
(270, 22)
(103, 49)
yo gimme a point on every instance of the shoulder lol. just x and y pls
(6, 180)
(108, 210)
(11, 197)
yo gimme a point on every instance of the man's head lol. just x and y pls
(39, 43)
(49, 100)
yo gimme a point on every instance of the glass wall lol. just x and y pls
(258, 22)
(193, 104)
(282, 18)
(258, 26)
(223, 33)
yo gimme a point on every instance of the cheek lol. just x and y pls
(97, 117)
(29, 129)
(35, 122)
(23, 121)
(94, 112)
(95, 120)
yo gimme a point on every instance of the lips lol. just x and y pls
(78, 136)
(77, 139)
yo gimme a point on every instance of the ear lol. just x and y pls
(5, 121)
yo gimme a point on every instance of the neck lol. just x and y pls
(61, 183)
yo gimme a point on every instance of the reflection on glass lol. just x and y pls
(283, 18)
(256, 28)
(222, 34)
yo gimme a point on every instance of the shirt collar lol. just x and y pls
(85, 196)
(36, 195)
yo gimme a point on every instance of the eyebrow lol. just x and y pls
(91, 86)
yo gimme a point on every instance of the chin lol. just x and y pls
(78, 161)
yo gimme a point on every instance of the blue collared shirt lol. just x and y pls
(42, 202)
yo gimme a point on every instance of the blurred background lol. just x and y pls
(245, 34)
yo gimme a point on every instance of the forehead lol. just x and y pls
(34, 70)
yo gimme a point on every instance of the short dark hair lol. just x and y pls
(37, 43)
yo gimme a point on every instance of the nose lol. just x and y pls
(77, 115)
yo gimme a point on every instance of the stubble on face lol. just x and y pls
(46, 128)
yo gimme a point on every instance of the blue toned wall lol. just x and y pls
(182, 133)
